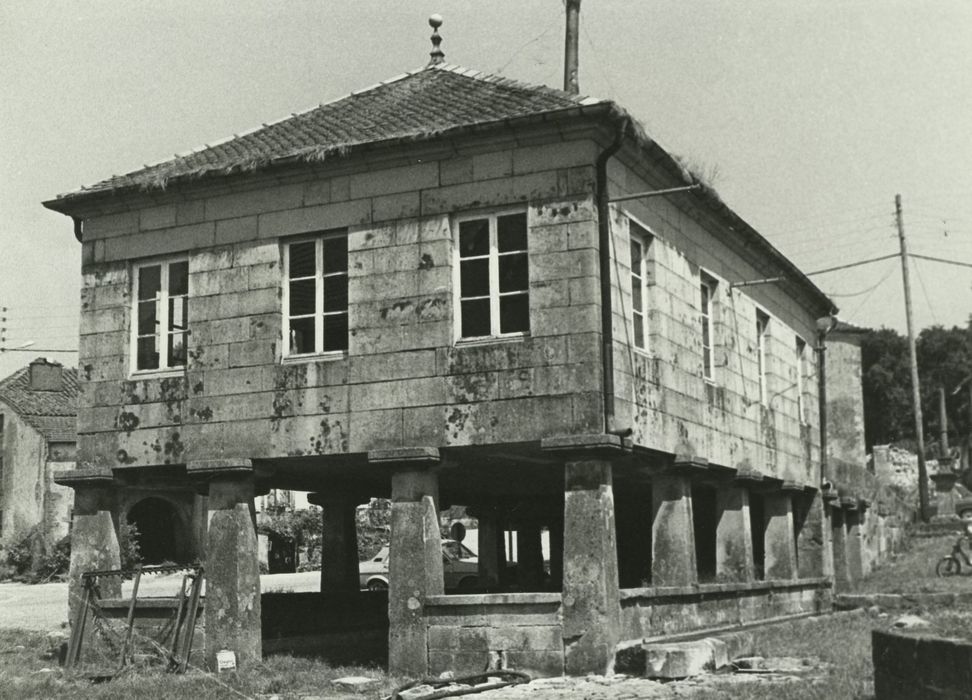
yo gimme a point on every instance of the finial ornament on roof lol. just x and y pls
(435, 21)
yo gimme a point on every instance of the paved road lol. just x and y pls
(44, 606)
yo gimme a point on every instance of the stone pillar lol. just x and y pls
(841, 580)
(529, 556)
(883, 469)
(815, 552)
(734, 539)
(855, 544)
(415, 565)
(339, 542)
(557, 553)
(672, 531)
(780, 545)
(591, 599)
(94, 539)
(490, 546)
(232, 604)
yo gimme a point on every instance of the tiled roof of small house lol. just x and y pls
(52, 413)
(414, 106)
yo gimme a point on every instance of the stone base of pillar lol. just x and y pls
(780, 544)
(814, 548)
(734, 539)
(591, 602)
(672, 531)
(232, 607)
(415, 569)
(855, 545)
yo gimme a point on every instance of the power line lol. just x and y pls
(924, 291)
(941, 260)
(853, 264)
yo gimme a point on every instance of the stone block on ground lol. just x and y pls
(355, 684)
(682, 659)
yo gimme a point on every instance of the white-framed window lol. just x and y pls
(160, 314)
(493, 276)
(801, 378)
(707, 295)
(640, 240)
(316, 294)
(762, 331)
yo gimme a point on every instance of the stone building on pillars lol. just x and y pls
(441, 290)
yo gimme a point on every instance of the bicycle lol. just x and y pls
(951, 564)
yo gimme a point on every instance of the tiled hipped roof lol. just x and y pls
(417, 105)
(52, 413)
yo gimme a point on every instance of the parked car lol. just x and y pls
(459, 565)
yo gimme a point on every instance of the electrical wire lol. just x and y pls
(891, 268)
(924, 291)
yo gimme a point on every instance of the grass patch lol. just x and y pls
(27, 671)
(913, 570)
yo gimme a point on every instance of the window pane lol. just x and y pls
(707, 362)
(179, 278)
(147, 317)
(336, 293)
(514, 313)
(635, 257)
(705, 333)
(178, 313)
(511, 232)
(335, 332)
(301, 335)
(636, 292)
(302, 299)
(513, 273)
(474, 237)
(475, 318)
(705, 298)
(639, 331)
(335, 254)
(148, 357)
(149, 281)
(302, 259)
(474, 277)
(177, 349)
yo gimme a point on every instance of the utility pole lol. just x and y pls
(943, 418)
(571, 42)
(915, 386)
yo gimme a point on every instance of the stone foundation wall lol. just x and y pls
(920, 668)
(520, 630)
(660, 611)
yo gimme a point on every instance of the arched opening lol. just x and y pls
(161, 536)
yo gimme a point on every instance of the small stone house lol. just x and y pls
(38, 409)
(453, 288)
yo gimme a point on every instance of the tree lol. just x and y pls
(944, 360)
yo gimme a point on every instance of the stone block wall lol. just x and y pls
(910, 667)
(661, 392)
(404, 380)
(522, 631)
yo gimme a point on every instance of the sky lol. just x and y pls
(807, 117)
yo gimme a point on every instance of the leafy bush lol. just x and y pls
(129, 551)
(32, 559)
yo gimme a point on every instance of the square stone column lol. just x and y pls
(839, 538)
(591, 598)
(339, 541)
(734, 538)
(529, 556)
(232, 603)
(492, 557)
(815, 553)
(855, 542)
(415, 564)
(780, 543)
(591, 606)
(673, 561)
(94, 538)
